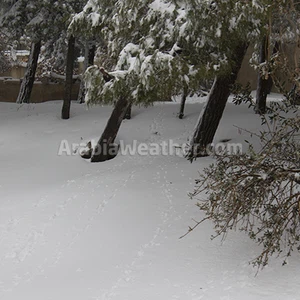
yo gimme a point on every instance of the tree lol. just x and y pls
(29, 77)
(40, 21)
(258, 191)
(20, 18)
(182, 42)
(262, 81)
(151, 41)
(65, 114)
(212, 113)
(226, 28)
(4, 42)
(4, 61)
(135, 63)
(182, 103)
(73, 7)
(280, 27)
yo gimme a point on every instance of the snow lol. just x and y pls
(80, 59)
(18, 53)
(74, 230)
(162, 7)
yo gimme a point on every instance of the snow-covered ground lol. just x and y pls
(72, 230)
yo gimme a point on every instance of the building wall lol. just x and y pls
(248, 74)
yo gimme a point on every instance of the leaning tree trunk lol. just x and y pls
(262, 82)
(28, 80)
(128, 113)
(105, 148)
(182, 104)
(65, 113)
(212, 112)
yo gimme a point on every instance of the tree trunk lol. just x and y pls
(28, 80)
(270, 79)
(182, 104)
(128, 113)
(212, 112)
(65, 113)
(105, 148)
(89, 56)
(262, 83)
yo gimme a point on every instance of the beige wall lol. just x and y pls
(248, 74)
(42, 92)
(15, 72)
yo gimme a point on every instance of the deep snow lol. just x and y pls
(72, 230)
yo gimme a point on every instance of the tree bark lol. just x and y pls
(128, 113)
(91, 54)
(212, 112)
(65, 113)
(182, 104)
(28, 80)
(106, 148)
(262, 83)
(270, 79)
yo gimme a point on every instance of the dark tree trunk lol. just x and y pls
(212, 112)
(182, 104)
(262, 83)
(28, 80)
(65, 113)
(128, 113)
(269, 85)
(105, 148)
(270, 80)
(89, 56)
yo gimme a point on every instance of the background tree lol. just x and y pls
(4, 60)
(65, 113)
(22, 19)
(43, 21)
(72, 8)
(281, 29)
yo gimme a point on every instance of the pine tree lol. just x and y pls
(158, 48)
(135, 59)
